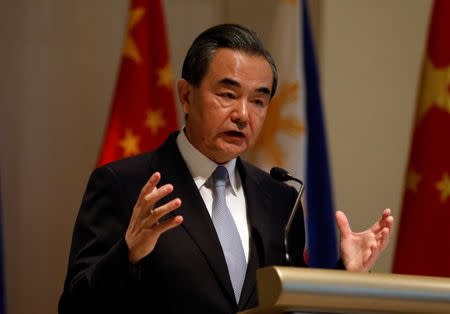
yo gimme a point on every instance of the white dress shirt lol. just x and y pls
(201, 168)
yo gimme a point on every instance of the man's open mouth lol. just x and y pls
(235, 134)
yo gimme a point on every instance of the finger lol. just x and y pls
(154, 196)
(384, 240)
(366, 256)
(387, 212)
(371, 257)
(371, 243)
(384, 221)
(386, 224)
(168, 224)
(379, 235)
(386, 216)
(158, 213)
(389, 222)
(163, 210)
(147, 188)
(343, 224)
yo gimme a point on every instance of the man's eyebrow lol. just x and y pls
(230, 82)
(263, 90)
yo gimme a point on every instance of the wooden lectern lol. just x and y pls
(300, 290)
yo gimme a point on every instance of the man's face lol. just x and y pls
(226, 112)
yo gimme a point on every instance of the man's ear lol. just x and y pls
(185, 94)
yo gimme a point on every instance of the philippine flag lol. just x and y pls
(294, 135)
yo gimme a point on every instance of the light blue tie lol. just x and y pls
(227, 232)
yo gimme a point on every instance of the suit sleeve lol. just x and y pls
(99, 271)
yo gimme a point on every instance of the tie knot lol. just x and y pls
(220, 176)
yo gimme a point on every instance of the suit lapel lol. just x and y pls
(196, 219)
(257, 201)
(198, 224)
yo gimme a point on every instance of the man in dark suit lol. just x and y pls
(145, 239)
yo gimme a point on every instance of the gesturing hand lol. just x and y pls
(144, 228)
(360, 250)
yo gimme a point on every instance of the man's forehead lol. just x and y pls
(223, 51)
(227, 65)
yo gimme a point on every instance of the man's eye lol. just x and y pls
(228, 95)
(259, 102)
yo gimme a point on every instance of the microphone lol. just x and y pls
(282, 175)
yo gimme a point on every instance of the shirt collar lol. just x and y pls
(201, 167)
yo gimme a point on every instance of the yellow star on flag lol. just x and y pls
(444, 187)
(435, 89)
(130, 50)
(155, 121)
(165, 76)
(130, 144)
(412, 180)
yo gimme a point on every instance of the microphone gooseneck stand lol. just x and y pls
(282, 175)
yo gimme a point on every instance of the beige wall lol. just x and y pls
(58, 65)
(57, 74)
(370, 60)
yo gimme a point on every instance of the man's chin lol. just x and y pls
(230, 152)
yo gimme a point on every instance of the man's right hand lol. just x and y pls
(144, 229)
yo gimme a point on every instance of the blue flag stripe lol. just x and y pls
(322, 244)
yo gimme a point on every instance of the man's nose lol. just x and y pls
(240, 112)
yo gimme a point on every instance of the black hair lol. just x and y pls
(232, 36)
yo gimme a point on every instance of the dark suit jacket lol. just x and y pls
(187, 271)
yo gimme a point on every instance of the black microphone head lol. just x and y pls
(279, 174)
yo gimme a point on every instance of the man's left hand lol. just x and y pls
(360, 250)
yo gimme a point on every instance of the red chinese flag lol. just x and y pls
(423, 244)
(143, 112)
